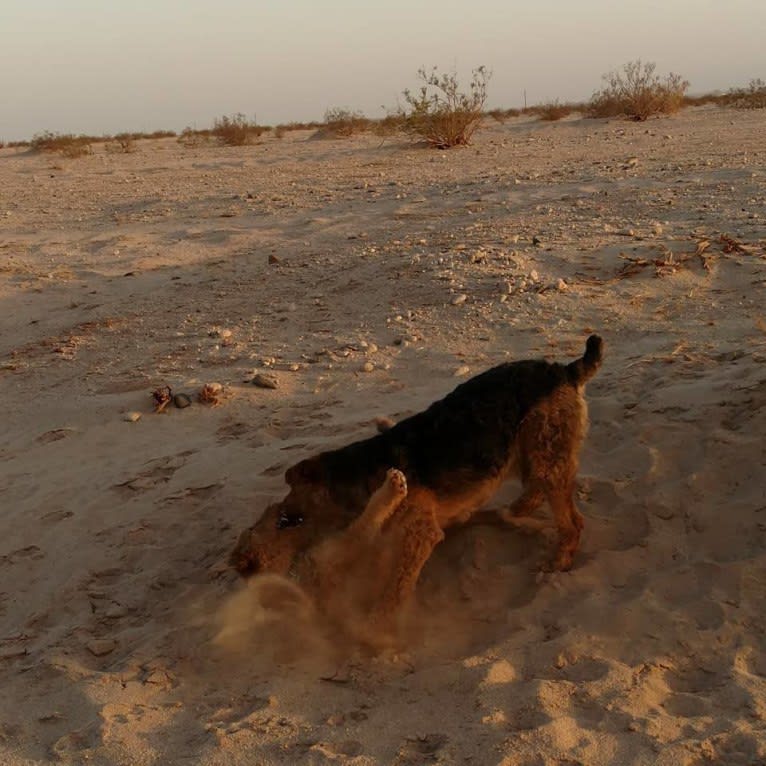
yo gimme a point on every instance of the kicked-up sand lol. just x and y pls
(369, 277)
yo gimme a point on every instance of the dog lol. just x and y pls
(390, 497)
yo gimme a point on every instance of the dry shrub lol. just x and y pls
(441, 113)
(66, 144)
(344, 123)
(389, 125)
(122, 143)
(552, 110)
(236, 130)
(192, 138)
(751, 97)
(637, 93)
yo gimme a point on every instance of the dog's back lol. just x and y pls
(468, 432)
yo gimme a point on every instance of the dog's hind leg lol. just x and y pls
(520, 510)
(569, 522)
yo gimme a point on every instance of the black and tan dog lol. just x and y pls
(392, 495)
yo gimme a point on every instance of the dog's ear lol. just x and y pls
(306, 472)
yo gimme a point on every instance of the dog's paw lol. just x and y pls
(396, 482)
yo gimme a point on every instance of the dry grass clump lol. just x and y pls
(751, 97)
(66, 144)
(236, 130)
(441, 113)
(637, 93)
(344, 123)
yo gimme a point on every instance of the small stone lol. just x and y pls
(534, 276)
(182, 400)
(116, 611)
(101, 646)
(562, 285)
(265, 381)
(657, 229)
(537, 242)
(368, 367)
(273, 259)
(461, 371)
(632, 162)
(458, 299)
(132, 417)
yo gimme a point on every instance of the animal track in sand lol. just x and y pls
(158, 471)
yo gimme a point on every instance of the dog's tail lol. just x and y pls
(581, 371)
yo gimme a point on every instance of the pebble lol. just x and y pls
(116, 611)
(368, 367)
(462, 370)
(458, 299)
(182, 400)
(265, 381)
(534, 276)
(562, 285)
(101, 646)
(131, 417)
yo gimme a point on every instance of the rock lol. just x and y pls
(562, 285)
(537, 242)
(368, 367)
(116, 611)
(458, 299)
(182, 400)
(337, 719)
(132, 417)
(273, 259)
(265, 381)
(101, 646)
(461, 371)
(534, 276)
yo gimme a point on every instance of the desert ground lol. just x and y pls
(370, 276)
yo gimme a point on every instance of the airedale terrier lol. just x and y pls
(524, 419)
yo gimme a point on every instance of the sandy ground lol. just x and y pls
(309, 259)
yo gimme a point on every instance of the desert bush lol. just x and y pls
(66, 144)
(344, 123)
(441, 113)
(122, 143)
(389, 125)
(751, 97)
(552, 110)
(637, 93)
(501, 115)
(236, 130)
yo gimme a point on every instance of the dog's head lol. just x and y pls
(288, 528)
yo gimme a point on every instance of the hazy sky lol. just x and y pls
(103, 66)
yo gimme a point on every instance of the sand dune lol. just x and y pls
(121, 273)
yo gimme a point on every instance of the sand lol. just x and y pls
(369, 277)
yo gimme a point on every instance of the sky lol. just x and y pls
(106, 66)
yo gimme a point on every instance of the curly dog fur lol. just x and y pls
(524, 419)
